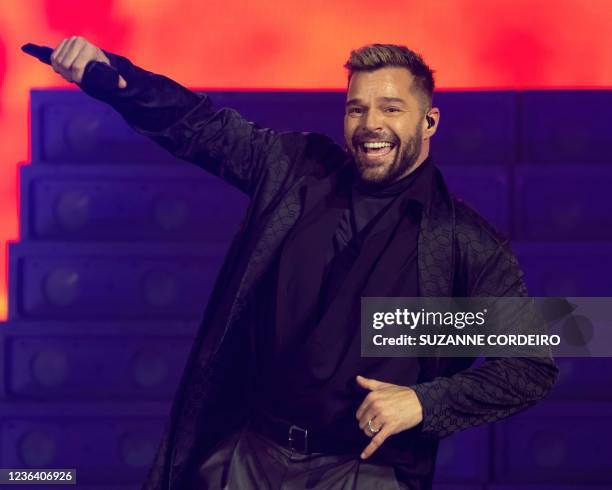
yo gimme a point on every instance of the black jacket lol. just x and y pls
(459, 254)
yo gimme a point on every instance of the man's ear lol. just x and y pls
(430, 122)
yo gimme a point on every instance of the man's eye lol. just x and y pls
(354, 110)
(391, 109)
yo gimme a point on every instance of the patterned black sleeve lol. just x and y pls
(187, 125)
(499, 387)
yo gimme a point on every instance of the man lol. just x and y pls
(275, 392)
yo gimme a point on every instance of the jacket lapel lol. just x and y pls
(302, 197)
(366, 271)
(303, 255)
(436, 258)
(436, 253)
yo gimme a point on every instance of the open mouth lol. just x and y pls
(375, 150)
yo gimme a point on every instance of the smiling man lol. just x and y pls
(275, 393)
(389, 95)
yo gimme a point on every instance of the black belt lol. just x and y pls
(296, 438)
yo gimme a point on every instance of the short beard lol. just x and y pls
(405, 158)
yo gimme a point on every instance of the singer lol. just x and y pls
(275, 393)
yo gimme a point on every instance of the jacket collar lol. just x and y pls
(436, 252)
(436, 239)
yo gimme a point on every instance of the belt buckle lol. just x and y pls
(292, 439)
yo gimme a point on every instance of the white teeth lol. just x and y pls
(377, 144)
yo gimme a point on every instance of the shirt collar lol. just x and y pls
(417, 186)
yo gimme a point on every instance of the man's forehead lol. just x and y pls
(388, 82)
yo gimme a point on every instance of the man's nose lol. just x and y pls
(372, 121)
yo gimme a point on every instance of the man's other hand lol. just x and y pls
(71, 56)
(389, 409)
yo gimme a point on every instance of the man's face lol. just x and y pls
(383, 124)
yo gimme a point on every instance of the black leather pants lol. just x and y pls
(247, 460)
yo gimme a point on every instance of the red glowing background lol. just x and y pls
(299, 44)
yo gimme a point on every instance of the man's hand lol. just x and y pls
(71, 56)
(389, 408)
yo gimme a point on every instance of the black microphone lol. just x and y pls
(97, 76)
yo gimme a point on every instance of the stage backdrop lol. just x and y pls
(301, 44)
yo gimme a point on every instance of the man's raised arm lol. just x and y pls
(180, 120)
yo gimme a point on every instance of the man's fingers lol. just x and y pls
(375, 443)
(61, 50)
(376, 423)
(65, 58)
(365, 382)
(55, 55)
(76, 60)
(367, 411)
(371, 384)
(365, 406)
(85, 55)
(61, 55)
(66, 52)
(72, 56)
(362, 408)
